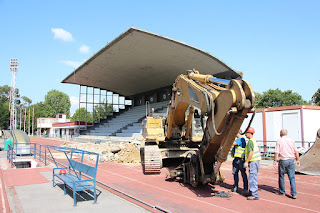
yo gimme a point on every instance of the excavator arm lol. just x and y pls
(224, 105)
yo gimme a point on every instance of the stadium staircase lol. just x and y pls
(126, 124)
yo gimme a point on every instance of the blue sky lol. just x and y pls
(276, 44)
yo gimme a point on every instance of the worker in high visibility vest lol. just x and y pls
(238, 153)
(253, 157)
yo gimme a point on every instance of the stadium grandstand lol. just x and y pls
(136, 68)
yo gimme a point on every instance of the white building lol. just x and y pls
(301, 121)
(60, 126)
(68, 129)
(46, 124)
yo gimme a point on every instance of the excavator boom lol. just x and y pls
(221, 105)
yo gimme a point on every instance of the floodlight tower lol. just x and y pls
(12, 106)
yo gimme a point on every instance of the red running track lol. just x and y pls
(177, 197)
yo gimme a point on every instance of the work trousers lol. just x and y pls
(237, 164)
(253, 177)
(287, 166)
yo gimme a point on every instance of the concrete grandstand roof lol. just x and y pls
(138, 61)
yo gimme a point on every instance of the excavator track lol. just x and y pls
(152, 160)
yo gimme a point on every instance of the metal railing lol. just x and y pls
(267, 151)
(37, 150)
(11, 155)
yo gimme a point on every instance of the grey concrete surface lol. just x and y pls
(45, 198)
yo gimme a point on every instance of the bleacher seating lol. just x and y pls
(128, 123)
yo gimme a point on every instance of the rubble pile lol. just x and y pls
(108, 151)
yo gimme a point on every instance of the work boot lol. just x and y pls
(245, 193)
(279, 193)
(234, 189)
(252, 198)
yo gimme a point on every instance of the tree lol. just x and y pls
(27, 101)
(83, 112)
(5, 93)
(4, 100)
(56, 102)
(258, 97)
(316, 98)
(104, 110)
(277, 98)
(39, 111)
(4, 115)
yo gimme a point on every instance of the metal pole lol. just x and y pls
(86, 106)
(20, 118)
(106, 104)
(12, 106)
(93, 114)
(15, 118)
(32, 121)
(29, 123)
(99, 105)
(79, 110)
(25, 115)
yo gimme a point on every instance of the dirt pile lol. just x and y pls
(108, 151)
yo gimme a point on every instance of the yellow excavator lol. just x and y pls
(203, 117)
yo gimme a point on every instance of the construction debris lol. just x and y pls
(222, 194)
(108, 151)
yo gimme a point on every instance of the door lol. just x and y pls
(291, 122)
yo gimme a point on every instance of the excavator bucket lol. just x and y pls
(310, 160)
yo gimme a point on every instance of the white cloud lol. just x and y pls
(74, 64)
(84, 49)
(62, 34)
(74, 104)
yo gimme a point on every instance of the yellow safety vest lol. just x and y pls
(238, 152)
(256, 152)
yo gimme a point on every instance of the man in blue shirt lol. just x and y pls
(238, 152)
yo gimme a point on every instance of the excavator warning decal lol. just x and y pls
(193, 95)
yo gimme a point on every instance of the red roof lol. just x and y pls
(72, 123)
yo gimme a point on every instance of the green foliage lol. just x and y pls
(104, 110)
(4, 93)
(27, 101)
(316, 98)
(4, 108)
(83, 112)
(4, 115)
(39, 111)
(56, 102)
(277, 98)
(258, 97)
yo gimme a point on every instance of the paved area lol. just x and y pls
(157, 190)
(30, 190)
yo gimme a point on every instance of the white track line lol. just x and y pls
(172, 192)
(211, 203)
(296, 182)
(2, 195)
(288, 205)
